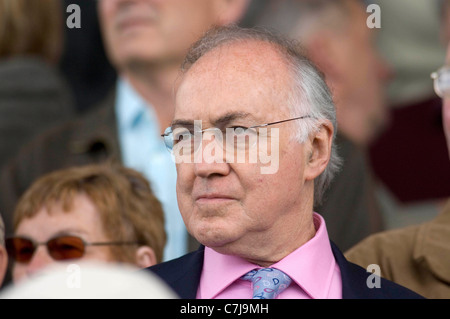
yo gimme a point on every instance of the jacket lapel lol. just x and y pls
(353, 280)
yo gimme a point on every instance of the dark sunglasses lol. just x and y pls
(21, 249)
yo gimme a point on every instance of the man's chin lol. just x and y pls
(216, 239)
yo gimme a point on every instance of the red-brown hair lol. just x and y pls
(123, 197)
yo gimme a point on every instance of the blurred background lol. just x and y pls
(410, 157)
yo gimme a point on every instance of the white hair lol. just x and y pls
(311, 95)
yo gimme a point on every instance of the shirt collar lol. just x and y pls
(310, 266)
(131, 108)
(220, 271)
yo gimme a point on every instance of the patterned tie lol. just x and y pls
(267, 283)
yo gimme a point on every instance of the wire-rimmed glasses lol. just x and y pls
(231, 138)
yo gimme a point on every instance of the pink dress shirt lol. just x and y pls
(312, 267)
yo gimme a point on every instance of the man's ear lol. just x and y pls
(145, 257)
(3, 263)
(319, 151)
(230, 11)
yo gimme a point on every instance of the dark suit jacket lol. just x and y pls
(183, 276)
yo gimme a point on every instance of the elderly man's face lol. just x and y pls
(152, 31)
(232, 207)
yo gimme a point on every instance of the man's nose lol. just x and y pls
(210, 157)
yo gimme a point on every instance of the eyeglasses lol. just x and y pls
(442, 82)
(231, 138)
(22, 249)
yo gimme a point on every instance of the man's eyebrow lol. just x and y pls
(221, 121)
(230, 117)
(183, 123)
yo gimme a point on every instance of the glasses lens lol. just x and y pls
(168, 138)
(66, 247)
(241, 139)
(442, 82)
(20, 249)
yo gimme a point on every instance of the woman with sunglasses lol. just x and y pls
(97, 213)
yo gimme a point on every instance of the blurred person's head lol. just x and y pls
(337, 39)
(157, 33)
(31, 28)
(97, 212)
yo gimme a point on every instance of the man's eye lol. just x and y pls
(182, 137)
(182, 134)
(238, 130)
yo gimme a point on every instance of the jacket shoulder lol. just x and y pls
(182, 274)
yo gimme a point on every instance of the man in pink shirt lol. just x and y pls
(252, 137)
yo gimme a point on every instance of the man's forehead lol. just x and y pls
(232, 77)
(245, 57)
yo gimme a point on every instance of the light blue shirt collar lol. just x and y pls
(132, 108)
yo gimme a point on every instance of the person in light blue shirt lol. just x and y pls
(143, 150)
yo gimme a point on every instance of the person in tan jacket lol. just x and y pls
(417, 257)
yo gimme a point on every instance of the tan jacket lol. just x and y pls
(417, 257)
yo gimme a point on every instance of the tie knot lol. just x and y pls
(267, 283)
